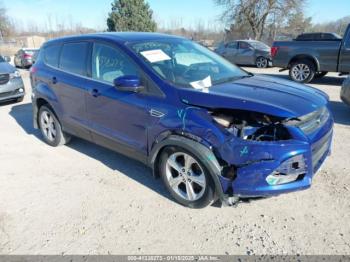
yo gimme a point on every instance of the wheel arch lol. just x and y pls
(308, 57)
(38, 103)
(205, 154)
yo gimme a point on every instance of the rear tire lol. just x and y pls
(186, 177)
(262, 62)
(51, 128)
(302, 71)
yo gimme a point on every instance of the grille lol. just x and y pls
(6, 94)
(320, 149)
(4, 78)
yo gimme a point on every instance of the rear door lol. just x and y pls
(70, 84)
(245, 54)
(230, 52)
(118, 119)
(344, 59)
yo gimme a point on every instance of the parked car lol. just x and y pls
(307, 60)
(24, 57)
(246, 52)
(11, 84)
(206, 127)
(345, 91)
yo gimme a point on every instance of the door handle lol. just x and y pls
(95, 92)
(54, 80)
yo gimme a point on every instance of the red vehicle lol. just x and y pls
(24, 57)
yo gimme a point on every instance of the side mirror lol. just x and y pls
(7, 58)
(128, 83)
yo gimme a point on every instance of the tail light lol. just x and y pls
(274, 50)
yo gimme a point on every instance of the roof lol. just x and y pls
(121, 37)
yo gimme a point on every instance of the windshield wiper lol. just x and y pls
(232, 78)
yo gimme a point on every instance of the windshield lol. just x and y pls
(258, 45)
(187, 64)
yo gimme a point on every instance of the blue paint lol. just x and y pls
(123, 118)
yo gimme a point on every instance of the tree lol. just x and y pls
(131, 15)
(257, 14)
(5, 25)
(297, 24)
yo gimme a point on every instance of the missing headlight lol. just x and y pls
(251, 125)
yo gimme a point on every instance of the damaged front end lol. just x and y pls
(264, 155)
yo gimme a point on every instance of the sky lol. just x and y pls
(93, 13)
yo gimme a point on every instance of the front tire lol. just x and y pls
(302, 71)
(186, 177)
(50, 127)
(262, 62)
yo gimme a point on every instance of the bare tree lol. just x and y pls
(257, 14)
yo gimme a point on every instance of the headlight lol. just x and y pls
(312, 121)
(15, 74)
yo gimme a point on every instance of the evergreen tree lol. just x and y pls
(131, 15)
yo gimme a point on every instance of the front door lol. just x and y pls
(118, 119)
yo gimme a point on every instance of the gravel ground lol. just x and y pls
(84, 199)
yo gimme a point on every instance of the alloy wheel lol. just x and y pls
(185, 176)
(261, 62)
(48, 125)
(301, 72)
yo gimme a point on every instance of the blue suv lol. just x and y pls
(209, 129)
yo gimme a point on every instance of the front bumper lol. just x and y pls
(13, 89)
(255, 162)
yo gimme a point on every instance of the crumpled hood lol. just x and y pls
(6, 68)
(268, 95)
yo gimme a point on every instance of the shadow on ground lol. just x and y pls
(22, 113)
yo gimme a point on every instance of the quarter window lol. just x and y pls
(73, 58)
(109, 63)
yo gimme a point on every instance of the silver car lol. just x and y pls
(246, 52)
(11, 84)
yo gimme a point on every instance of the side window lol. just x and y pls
(74, 57)
(347, 39)
(51, 55)
(243, 45)
(232, 45)
(108, 63)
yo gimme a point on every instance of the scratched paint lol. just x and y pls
(244, 151)
(182, 113)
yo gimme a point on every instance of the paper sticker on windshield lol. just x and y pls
(156, 55)
(202, 84)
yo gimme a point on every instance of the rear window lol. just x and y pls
(52, 54)
(73, 58)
